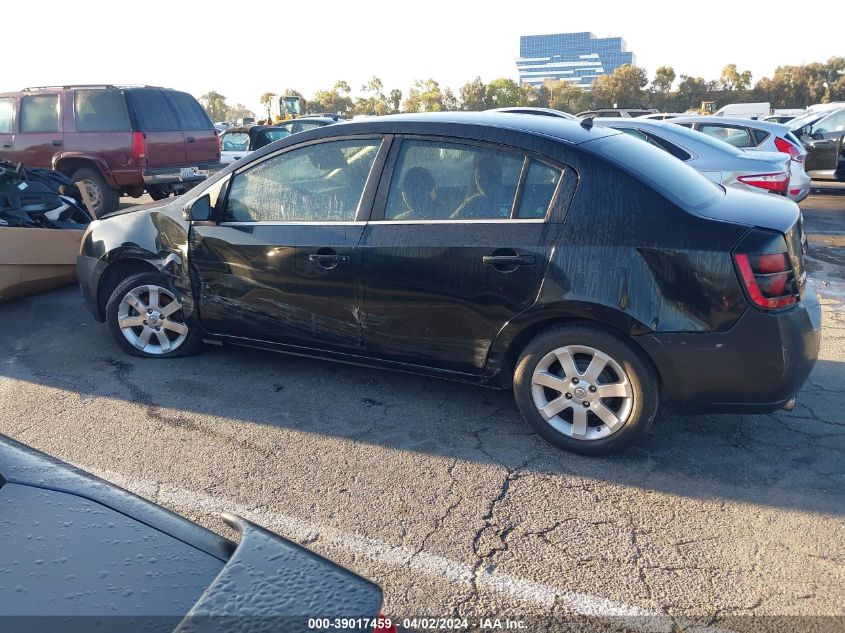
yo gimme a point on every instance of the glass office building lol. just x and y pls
(575, 57)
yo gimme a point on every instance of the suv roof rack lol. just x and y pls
(70, 86)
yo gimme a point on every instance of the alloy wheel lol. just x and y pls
(582, 392)
(94, 192)
(150, 318)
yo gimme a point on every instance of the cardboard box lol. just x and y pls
(36, 260)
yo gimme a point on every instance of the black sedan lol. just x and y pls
(596, 275)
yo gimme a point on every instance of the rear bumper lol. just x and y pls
(756, 367)
(175, 175)
(89, 270)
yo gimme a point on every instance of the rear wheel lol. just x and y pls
(585, 389)
(145, 317)
(103, 199)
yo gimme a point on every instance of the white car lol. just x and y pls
(237, 142)
(758, 136)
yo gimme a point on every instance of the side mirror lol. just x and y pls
(198, 209)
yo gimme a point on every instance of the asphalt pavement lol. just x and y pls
(439, 491)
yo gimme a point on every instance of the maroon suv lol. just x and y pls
(114, 140)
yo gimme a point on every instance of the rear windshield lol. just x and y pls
(158, 110)
(664, 173)
(100, 111)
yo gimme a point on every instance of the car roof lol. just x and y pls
(532, 110)
(769, 126)
(558, 128)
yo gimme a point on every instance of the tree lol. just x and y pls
(215, 104)
(450, 102)
(622, 89)
(565, 97)
(425, 96)
(502, 93)
(395, 99)
(731, 79)
(377, 102)
(473, 95)
(664, 77)
(267, 102)
(239, 111)
(335, 100)
(530, 96)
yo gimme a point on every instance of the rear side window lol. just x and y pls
(759, 136)
(676, 180)
(152, 110)
(236, 142)
(736, 136)
(40, 113)
(7, 114)
(610, 113)
(189, 112)
(538, 191)
(436, 180)
(100, 111)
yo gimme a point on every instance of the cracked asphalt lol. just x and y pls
(441, 494)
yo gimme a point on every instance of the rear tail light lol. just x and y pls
(777, 183)
(139, 147)
(768, 277)
(786, 147)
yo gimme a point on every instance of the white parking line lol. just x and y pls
(526, 591)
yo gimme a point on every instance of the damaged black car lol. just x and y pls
(595, 275)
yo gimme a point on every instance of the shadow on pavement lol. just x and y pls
(790, 460)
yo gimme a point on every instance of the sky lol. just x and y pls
(308, 46)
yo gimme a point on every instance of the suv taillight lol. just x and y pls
(139, 147)
(777, 183)
(786, 147)
(768, 277)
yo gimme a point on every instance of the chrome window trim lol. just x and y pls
(379, 222)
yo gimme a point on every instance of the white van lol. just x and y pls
(745, 110)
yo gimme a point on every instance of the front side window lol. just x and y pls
(7, 114)
(318, 183)
(100, 111)
(736, 136)
(436, 180)
(40, 113)
(833, 123)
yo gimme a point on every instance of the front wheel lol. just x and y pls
(585, 389)
(146, 319)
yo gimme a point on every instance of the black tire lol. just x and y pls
(641, 378)
(105, 198)
(190, 344)
(158, 194)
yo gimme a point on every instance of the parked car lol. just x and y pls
(81, 554)
(303, 123)
(237, 142)
(617, 112)
(594, 274)
(718, 161)
(758, 136)
(823, 134)
(539, 111)
(113, 140)
(745, 110)
(660, 116)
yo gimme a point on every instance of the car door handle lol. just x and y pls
(191, 139)
(7, 146)
(517, 260)
(327, 259)
(57, 143)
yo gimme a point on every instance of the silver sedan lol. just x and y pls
(757, 136)
(720, 162)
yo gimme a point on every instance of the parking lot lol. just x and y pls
(441, 494)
